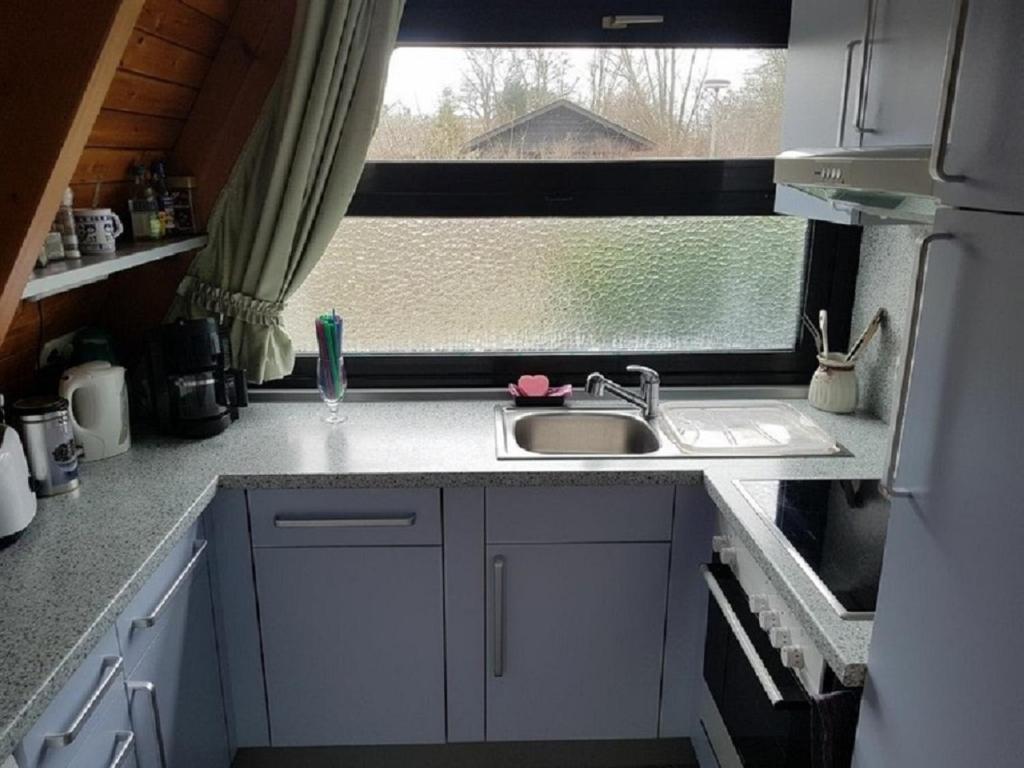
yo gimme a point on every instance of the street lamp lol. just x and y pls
(716, 86)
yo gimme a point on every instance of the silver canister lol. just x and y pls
(45, 426)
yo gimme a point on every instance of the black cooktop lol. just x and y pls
(837, 529)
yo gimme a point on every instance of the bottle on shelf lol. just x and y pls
(65, 224)
(145, 208)
(165, 200)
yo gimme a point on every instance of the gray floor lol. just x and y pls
(663, 753)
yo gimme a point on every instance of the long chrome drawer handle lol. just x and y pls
(113, 666)
(499, 616)
(763, 677)
(400, 521)
(126, 739)
(148, 621)
(134, 686)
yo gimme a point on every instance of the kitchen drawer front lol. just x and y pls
(579, 514)
(110, 742)
(82, 705)
(144, 617)
(349, 517)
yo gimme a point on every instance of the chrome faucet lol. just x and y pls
(646, 401)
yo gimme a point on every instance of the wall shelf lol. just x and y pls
(61, 276)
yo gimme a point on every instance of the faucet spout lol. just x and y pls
(648, 398)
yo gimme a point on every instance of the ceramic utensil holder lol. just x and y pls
(834, 384)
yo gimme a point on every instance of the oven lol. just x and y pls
(758, 711)
(762, 705)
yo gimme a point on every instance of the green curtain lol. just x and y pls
(294, 179)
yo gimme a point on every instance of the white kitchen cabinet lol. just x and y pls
(820, 99)
(177, 706)
(948, 74)
(87, 722)
(907, 52)
(983, 142)
(351, 611)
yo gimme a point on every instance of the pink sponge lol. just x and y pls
(534, 386)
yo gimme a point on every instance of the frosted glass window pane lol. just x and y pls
(558, 284)
(580, 103)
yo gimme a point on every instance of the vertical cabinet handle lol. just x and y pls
(146, 687)
(844, 97)
(950, 79)
(112, 666)
(865, 61)
(123, 744)
(499, 615)
(888, 485)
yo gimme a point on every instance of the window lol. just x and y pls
(580, 103)
(569, 208)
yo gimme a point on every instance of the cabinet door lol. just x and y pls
(353, 643)
(822, 72)
(985, 138)
(575, 640)
(908, 49)
(175, 690)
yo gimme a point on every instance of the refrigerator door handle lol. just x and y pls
(889, 484)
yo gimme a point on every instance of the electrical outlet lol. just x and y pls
(58, 351)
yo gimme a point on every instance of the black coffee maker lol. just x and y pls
(191, 390)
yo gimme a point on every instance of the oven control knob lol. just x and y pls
(792, 656)
(779, 636)
(758, 603)
(728, 556)
(718, 543)
(769, 620)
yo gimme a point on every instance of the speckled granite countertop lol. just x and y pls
(87, 553)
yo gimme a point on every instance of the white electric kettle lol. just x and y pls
(98, 404)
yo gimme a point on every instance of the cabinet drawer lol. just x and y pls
(80, 707)
(146, 614)
(350, 517)
(579, 514)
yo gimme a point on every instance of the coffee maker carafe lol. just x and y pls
(191, 390)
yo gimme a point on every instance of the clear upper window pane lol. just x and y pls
(631, 284)
(580, 103)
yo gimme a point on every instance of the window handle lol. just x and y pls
(624, 21)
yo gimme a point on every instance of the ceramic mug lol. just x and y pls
(97, 229)
(834, 384)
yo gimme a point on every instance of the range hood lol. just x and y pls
(887, 183)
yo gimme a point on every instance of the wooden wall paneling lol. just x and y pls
(50, 103)
(128, 129)
(130, 92)
(232, 97)
(182, 25)
(215, 9)
(150, 55)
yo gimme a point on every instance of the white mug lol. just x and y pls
(97, 229)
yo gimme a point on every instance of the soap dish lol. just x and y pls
(554, 398)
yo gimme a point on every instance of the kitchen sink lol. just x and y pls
(578, 433)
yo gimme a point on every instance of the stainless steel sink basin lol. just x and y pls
(577, 433)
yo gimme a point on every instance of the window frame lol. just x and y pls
(597, 188)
